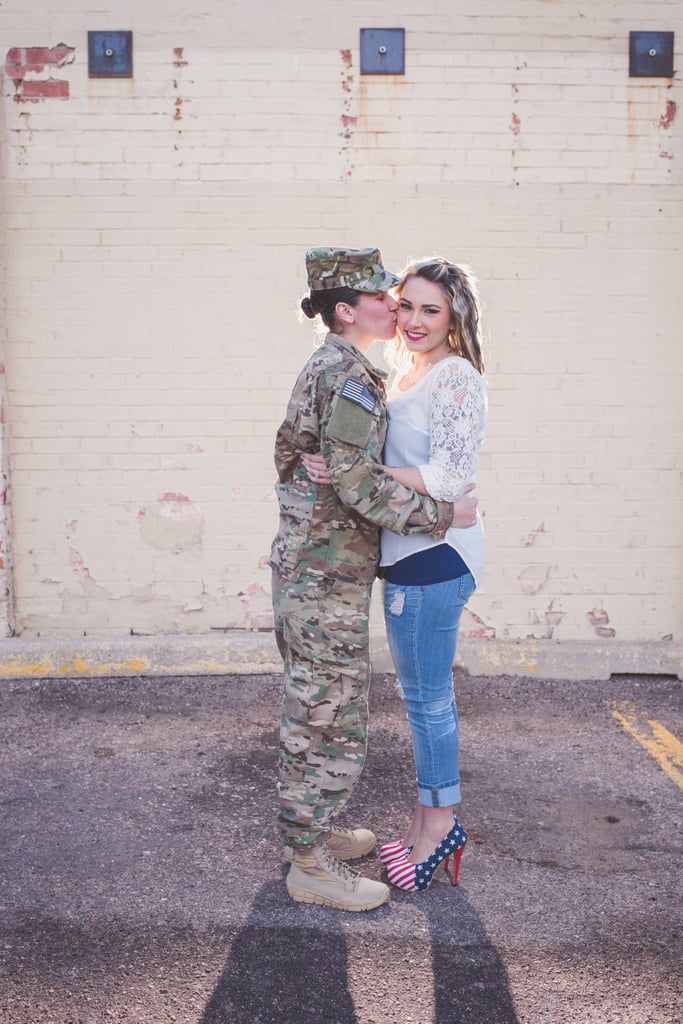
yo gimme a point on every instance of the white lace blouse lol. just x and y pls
(439, 425)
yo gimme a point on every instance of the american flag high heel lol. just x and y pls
(418, 877)
(393, 851)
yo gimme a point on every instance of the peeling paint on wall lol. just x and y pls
(599, 620)
(474, 626)
(173, 524)
(79, 567)
(534, 578)
(258, 607)
(551, 618)
(23, 63)
(178, 62)
(667, 118)
(178, 57)
(666, 151)
(530, 538)
(348, 120)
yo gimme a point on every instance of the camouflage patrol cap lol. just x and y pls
(360, 269)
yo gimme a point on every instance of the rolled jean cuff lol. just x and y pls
(445, 796)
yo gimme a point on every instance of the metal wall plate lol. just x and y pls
(110, 54)
(651, 54)
(382, 51)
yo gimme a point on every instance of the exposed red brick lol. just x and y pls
(13, 60)
(51, 89)
(482, 631)
(21, 60)
(56, 55)
(598, 616)
(667, 118)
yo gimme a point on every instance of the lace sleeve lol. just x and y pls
(457, 420)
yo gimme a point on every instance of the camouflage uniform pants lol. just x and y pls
(322, 632)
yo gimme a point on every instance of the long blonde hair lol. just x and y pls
(459, 285)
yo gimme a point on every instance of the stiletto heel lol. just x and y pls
(418, 877)
(393, 851)
(457, 857)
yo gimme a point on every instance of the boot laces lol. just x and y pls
(338, 867)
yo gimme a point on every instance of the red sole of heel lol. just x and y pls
(457, 856)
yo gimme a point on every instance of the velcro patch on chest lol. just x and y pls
(359, 393)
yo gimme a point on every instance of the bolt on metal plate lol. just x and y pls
(651, 54)
(110, 54)
(382, 51)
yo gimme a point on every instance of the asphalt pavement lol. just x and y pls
(141, 880)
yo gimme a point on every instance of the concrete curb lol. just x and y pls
(240, 652)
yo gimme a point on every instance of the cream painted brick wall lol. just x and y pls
(153, 236)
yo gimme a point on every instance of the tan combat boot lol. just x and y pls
(345, 843)
(317, 877)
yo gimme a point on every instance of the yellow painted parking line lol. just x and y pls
(658, 741)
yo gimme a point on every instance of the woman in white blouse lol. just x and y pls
(437, 420)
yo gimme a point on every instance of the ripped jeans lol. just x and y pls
(422, 629)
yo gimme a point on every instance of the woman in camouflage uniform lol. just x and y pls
(324, 559)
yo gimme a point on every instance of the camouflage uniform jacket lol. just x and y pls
(338, 407)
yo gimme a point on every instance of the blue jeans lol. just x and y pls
(422, 629)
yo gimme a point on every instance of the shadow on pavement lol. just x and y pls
(326, 967)
(284, 974)
(470, 980)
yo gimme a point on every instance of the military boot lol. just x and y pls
(316, 876)
(345, 843)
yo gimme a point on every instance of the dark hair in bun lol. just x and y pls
(323, 303)
(307, 307)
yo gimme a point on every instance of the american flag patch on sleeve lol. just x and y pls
(357, 392)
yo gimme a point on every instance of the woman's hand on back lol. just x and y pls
(465, 510)
(315, 467)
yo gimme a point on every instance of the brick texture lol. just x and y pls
(153, 240)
